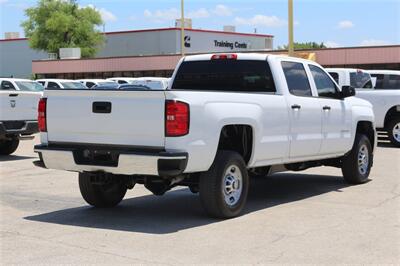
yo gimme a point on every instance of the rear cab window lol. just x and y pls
(226, 75)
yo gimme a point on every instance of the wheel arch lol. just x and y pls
(367, 128)
(239, 138)
(393, 111)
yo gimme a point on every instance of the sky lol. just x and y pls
(337, 23)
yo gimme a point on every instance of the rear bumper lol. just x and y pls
(167, 164)
(18, 127)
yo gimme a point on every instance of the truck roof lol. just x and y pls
(387, 72)
(346, 69)
(245, 56)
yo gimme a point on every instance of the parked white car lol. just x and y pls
(224, 116)
(153, 83)
(90, 83)
(19, 99)
(121, 80)
(61, 84)
(385, 79)
(386, 102)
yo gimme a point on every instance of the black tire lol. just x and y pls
(353, 173)
(101, 195)
(392, 126)
(212, 190)
(7, 147)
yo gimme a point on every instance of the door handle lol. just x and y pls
(296, 107)
(101, 107)
(326, 108)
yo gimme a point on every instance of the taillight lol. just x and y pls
(224, 56)
(176, 118)
(42, 115)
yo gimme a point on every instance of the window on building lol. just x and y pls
(296, 79)
(325, 86)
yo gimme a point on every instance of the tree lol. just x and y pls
(55, 24)
(304, 45)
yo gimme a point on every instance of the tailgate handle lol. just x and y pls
(101, 107)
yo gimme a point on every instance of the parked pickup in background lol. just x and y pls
(225, 117)
(384, 96)
(19, 100)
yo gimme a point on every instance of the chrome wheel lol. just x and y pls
(363, 159)
(232, 185)
(396, 132)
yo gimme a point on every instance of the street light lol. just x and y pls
(290, 28)
(182, 29)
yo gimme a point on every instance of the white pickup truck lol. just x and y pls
(223, 118)
(385, 101)
(19, 100)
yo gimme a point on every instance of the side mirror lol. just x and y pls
(348, 91)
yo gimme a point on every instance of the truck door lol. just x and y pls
(336, 114)
(304, 112)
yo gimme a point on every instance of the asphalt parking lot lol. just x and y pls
(305, 217)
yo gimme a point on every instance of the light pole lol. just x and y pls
(182, 28)
(290, 28)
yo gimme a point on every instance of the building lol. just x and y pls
(16, 56)
(377, 57)
(155, 52)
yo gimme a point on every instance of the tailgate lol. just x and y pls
(132, 118)
(18, 105)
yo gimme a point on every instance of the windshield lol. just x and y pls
(107, 83)
(360, 80)
(73, 85)
(152, 85)
(29, 86)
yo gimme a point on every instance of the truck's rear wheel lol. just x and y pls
(357, 164)
(393, 130)
(102, 195)
(8, 146)
(224, 187)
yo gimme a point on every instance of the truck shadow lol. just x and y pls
(7, 158)
(180, 209)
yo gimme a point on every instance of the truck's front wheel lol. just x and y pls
(393, 129)
(107, 193)
(356, 165)
(224, 188)
(8, 146)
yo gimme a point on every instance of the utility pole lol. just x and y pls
(182, 29)
(290, 28)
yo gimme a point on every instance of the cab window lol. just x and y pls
(52, 85)
(394, 82)
(335, 76)
(90, 84)
(6, 85)
(325, 86)
(360, 80)
(296, 79)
